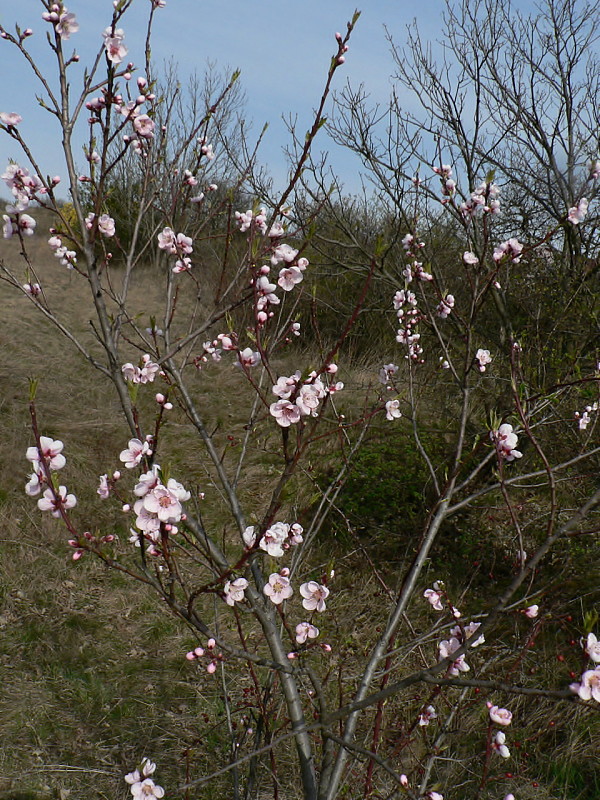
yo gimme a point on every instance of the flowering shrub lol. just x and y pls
(251, 593)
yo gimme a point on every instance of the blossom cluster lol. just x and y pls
(24, 188)
(299, 398)
(484, 199)
(584, 418)
(48, 456)
(506, 441)
(106, 224)
(146, 373)
(588, 687)
(68, 258)
(141, 785)
(405, 305)
(159, 506)
(63, 20)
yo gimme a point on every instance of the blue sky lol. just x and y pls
(282, 48)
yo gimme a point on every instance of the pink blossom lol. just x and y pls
(10, 118)
(274, 538)
(164, 503)
(278, 588)
(289, 277)
(445, 306)
(50, 502)
(285, 413)
(435, 796)
(34, 485)
(578, 213)
(309, 396)
(532, 611)
(67, 24)
(103, 489)
(285, 386)
(470, 259)
(387, 372)
(435, 598)
(426, 716)
(304, 631)
(234, 591)
(506, 441)
(592, 647)
(249, 537)
(314, 595)
(166, 240)
(588, 688)
(51, 452)
(511, 248)
(469, 631)
(113, 43)
(501, 716)
(266, 290)
(144, 126)
(146, 789)
(392, 410)
(499, 746)
(148, 768)
(483, 358)
(446, 649)
(283, 252)
(134, 453)
(248, 357)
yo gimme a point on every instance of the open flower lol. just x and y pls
(501, 716)
(51, 451)
(234, 591)
(446, 649)
(427, 715)
(592, 647)
(134, 453)
(278, 588)
(506, 441)
(589, 686)
(274, 538)
(392, 410)
(314, 595)
(304, 631)
(435, 598)
(51, 501)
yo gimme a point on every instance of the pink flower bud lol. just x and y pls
(168, 406)
(198, 651)
(404, 780)
(77, 555)
(160, 398)
(190, 656)
(340, 60)
(116, 475)
(211, 668)
(291, 656)
(127, 76)
(210, 644)
(126, 508)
